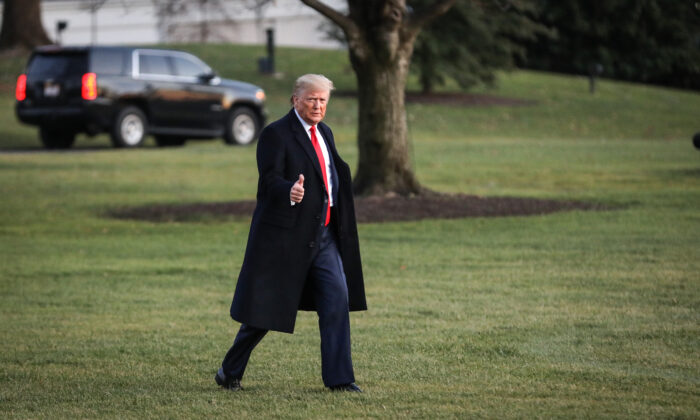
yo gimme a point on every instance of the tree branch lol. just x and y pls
(347, 25)
(420, 19)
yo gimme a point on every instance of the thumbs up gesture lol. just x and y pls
(297, 192)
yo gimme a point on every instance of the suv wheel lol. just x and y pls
(55, 138)
(167, 141)
(242, 126)
(130, 128)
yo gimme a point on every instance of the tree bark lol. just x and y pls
(384, 165)
(21, 25)
(380, 36)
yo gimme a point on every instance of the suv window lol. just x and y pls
(108, 62)
(57, 65)
(154, 64)
(187, 67)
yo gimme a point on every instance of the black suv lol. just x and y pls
(130, 92)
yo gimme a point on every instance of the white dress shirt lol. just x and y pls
(324, 150)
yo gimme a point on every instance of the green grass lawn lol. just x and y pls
(578, 314)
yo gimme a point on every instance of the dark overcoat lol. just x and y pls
(273, 285)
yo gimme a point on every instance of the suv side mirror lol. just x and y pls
(207, 77)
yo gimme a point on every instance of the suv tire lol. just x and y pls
(55, 138)
(129, 128)
(169, 141)
(242, 126)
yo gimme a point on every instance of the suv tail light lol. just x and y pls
(89, 89)
(21, 88)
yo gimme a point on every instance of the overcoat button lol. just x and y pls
(312, 244)
(318, 217)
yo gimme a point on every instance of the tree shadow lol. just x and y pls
(373, 209)
(84, 149)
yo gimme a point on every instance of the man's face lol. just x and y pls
(311, 105)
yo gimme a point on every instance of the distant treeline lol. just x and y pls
(649, 41)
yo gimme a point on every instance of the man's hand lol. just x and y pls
(296, 194)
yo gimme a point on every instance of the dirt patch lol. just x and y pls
(454, 99)
(372, 209)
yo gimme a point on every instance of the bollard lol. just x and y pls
(594, 71)
(266, 65)
(61, 26)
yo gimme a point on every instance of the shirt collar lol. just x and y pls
(306, 125)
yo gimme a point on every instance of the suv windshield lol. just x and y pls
(57, 65)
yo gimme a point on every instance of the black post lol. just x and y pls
(61, 26)
(594, 70)
(271, 49)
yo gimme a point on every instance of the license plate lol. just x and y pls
(52, 90)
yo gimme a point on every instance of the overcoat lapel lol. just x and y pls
(327, 136)
(303, 139)
(334, 157)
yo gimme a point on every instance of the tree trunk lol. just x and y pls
(21, 25)
(380, 36)
(384, 160)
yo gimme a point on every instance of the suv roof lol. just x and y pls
(82, 48)
(77, 48)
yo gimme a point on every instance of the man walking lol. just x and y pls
(303, 250)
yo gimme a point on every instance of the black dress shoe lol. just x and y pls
(233, 384)
(351, 387)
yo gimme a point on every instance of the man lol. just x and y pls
(303, 250)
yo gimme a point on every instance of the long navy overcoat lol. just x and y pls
(272, 285)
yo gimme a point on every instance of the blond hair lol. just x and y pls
(312, 81)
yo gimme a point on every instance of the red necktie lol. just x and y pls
(322, 161)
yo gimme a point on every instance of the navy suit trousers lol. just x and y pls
(331, 295)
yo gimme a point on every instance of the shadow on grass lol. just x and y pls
(39, 149)
(464, 99)
(682, 173)
(370, 209)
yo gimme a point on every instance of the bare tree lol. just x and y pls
(380, 36)
(21, 25)
(93, 6)
(166, 11)
(214, 18)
